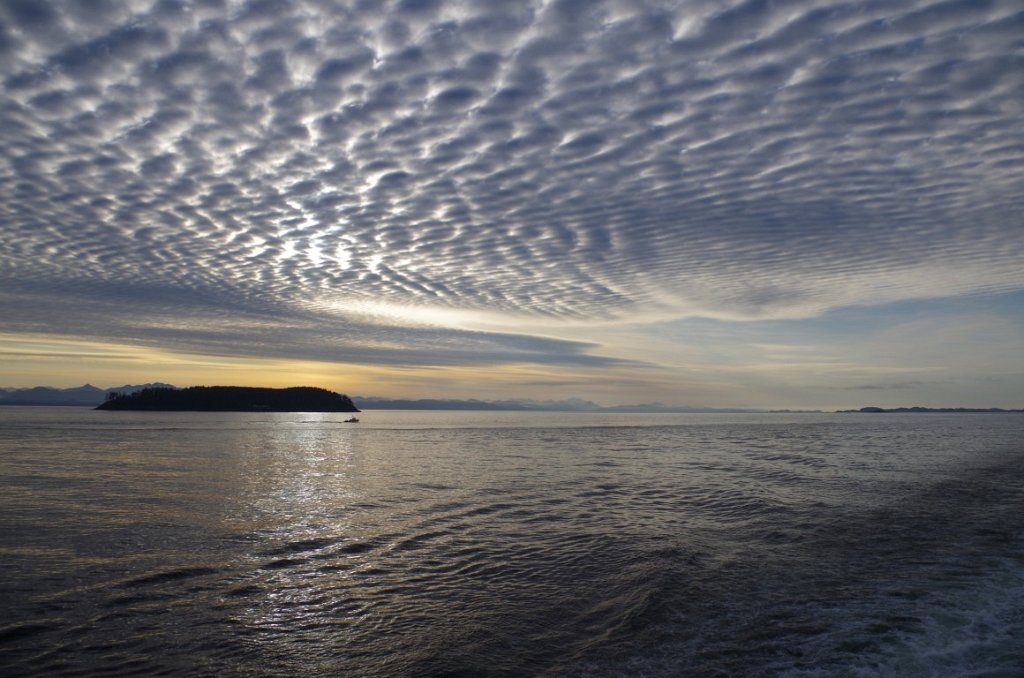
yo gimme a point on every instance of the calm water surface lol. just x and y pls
(468, 543)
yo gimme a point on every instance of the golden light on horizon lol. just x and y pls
(65, 363)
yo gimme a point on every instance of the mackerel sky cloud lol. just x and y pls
(495, 182)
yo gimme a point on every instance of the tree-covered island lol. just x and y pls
(231, 399)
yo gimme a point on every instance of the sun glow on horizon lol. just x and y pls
(65, 363)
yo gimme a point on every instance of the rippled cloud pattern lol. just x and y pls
(261, 176)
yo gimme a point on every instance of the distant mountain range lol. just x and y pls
(91, 396)
(525, 405)
(84, 396)
(914, 410)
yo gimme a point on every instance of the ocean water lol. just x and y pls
(510, 544)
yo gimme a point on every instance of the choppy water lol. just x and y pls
(430, 543)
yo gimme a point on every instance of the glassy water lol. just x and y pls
(471, 543)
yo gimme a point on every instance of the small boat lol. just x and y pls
(353, 420)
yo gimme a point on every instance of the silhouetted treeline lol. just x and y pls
(231, 399)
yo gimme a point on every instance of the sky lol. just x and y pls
(756, 203)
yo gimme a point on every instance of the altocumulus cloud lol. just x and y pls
(217, 174)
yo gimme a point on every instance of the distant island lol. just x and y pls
(78, 396)
(898, 410)
(231, 399)
(91, 396)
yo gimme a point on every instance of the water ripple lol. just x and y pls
(743, 550)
